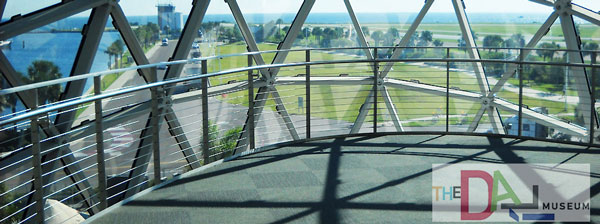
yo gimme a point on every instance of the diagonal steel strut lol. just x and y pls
(269, 77)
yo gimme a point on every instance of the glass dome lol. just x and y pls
(101, 99)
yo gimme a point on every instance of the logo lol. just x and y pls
(511, 192)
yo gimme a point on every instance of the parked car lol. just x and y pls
(196, 54)
(195, 46)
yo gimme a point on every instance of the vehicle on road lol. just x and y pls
(196, 54)
(165, 42)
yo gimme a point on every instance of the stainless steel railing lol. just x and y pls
(99, 161)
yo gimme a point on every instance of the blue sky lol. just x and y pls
(147, 7)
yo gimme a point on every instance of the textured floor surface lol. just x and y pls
(353, 180)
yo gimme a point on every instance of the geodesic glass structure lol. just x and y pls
(225, 79)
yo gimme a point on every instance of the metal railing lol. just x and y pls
(315, 102)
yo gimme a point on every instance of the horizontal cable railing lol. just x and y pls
(126, 143)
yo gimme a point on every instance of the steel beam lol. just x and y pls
(359, 33)
(388, 67)
(467, 35)
(133, 45)
(141, 160)
(90, 40)
(259, 103)
(473, 126)
(363, 112)
(184, 45)
(482, 81)
(91, 37)
(23, 24)
(384, 92)
(182, 141)
(262, 95)
(434, 90)
(512, 68)
(544, 2)
(542, 119)
(406, 38)
(120, 22)
(251, 44)
(14, 79)
(280, 105)
(586, 14)
(2, 7)
(572, 40)
(291, 35)
(391, 109)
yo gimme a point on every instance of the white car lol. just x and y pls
(165, 42)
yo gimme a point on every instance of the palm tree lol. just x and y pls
(117, 50)
(493, 41)
(425, 38)
(110, 54)
(589, 46)
(377, 36)
(40, 71)
(552, 47)
(317, 32)
(279, 22)
(519, 39)
(365, 30)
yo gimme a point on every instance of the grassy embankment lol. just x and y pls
(343, 102)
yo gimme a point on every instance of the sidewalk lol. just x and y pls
(125, 79)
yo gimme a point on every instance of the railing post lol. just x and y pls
(155, 93)
(251, 139)
(36, 162)
(520, 134)
(102, 194)
(375, 88)
(307, 94)
(447, 90)
(593, 100)
(205, 140)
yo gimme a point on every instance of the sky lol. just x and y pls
(148, 7)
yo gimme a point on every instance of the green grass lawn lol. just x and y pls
(343, 102)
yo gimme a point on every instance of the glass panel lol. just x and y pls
(41, 55)
(15, 7)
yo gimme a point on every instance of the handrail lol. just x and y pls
(160, 104)
(192, 60)
(72, 103)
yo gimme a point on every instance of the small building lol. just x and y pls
(168, 19)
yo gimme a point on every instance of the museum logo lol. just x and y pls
(510, 192)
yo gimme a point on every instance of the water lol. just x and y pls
(59, 48)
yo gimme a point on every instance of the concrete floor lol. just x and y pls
(383, 179)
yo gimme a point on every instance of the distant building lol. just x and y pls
(168, 19)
